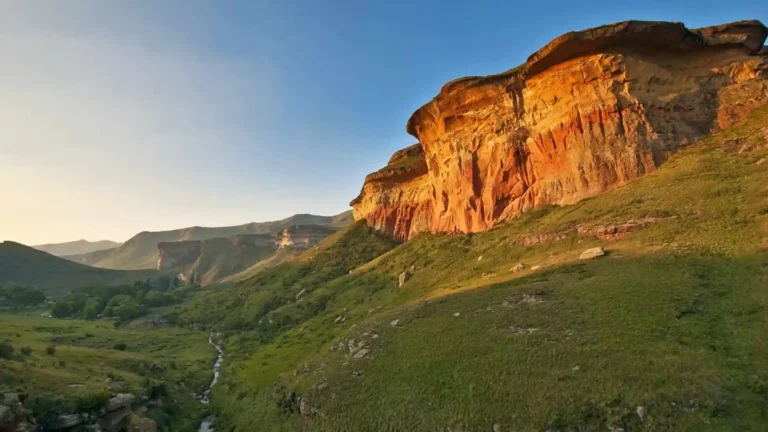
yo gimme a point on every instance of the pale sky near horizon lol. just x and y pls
(121, 117)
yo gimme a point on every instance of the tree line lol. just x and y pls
(18, 296)
(123, 302)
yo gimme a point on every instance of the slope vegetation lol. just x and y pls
(508, 329)
(56, 276)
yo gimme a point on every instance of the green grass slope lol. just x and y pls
(90, 258)
(280, 256)
(56, 276)
(140, 252)
(220, 258)
(671, 320)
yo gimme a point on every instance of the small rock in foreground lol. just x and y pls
(592, 253)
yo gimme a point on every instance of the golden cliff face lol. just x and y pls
(589, 111)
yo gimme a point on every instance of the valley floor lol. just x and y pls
(71, 366)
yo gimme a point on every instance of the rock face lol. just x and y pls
(174, 254)
(206, 261)
(591, 110)
(304, 236)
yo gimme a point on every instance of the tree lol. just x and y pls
(123, 307)
(156, 298)
(164, 283)
(22, 296)
(63, 309)
(92, 308)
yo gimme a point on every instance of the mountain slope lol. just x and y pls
(89, 258)
(667, 324)
(56, 276)
(140, 252)
(76, 247)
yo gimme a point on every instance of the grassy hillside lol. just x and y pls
(665, 332)
(260, 298)
(280, 256)
(219, 258)
(87, 364)
(90, 258)
(76, 247)
(56, 276)
(140, 252)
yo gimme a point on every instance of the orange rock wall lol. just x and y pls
(588, 112)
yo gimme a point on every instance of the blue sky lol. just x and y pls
(124, 116)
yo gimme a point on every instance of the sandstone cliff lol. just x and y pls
(589, 111)
(304, 236)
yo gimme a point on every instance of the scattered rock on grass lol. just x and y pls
(536, 267)
(523, 331)
(641, 412)
(518, 268)
(531, 299)
(404, 276)
(592, 253)
(575, 368)
(394, 323)
(457, 314)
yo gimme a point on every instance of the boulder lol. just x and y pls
(142, 424)
(69, 420)
(6, 416)
(641, 412)
(518, 268)
(403, 278)
(122, 400)
(592, 253)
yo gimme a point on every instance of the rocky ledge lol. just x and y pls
(589, 111)
(304, 236)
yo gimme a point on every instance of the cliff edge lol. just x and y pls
(591, 110)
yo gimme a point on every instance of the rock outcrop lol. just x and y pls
(304, 236)
(206, 261)
(589, 111)
(171, 255)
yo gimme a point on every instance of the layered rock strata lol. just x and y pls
(591, 110)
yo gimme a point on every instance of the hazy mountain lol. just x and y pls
(56, 276)
(76, 247)
(140, 252)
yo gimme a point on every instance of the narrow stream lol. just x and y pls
(205, 426)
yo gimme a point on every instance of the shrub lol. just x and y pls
(51, 349)
(46, 409)
(91, 404)
(120, 346)
(62, 363)
(6, 350)
(26, 350)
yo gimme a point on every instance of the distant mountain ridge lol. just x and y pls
(76, 247)
(141, 252)
(56, 276)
